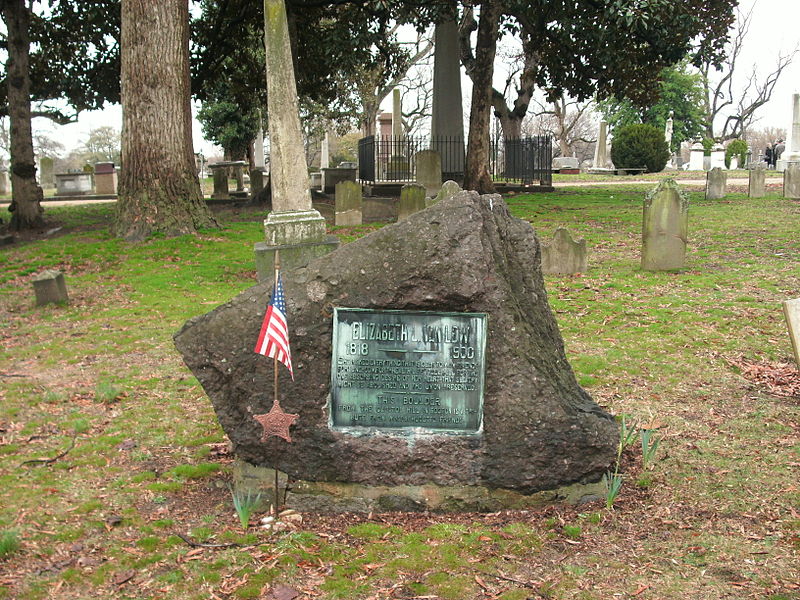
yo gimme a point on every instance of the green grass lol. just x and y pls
(717, 507)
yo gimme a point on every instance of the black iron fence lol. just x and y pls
(522, 161)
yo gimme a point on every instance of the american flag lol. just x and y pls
(273, 341)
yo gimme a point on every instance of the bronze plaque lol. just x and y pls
(394, 369)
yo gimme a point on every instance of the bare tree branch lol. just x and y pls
(737, 103)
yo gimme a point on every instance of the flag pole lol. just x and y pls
(275, 371)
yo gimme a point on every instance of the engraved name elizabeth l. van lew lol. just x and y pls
(402, 369)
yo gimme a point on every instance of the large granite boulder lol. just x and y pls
(464, 254)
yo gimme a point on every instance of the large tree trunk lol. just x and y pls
(158, 190)
(476, 175)
(26, 195)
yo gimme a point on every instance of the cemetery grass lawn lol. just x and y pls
(702, 355)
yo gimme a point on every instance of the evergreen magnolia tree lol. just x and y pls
(679, 92)
(158, 190)
(25, 207)
(64, 50)
(588, 48)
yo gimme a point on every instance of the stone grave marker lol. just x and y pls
(429, 373)
(791, 181)
(566, 162)
(256, 181)
(665, 227)
(449, 188)
(50, 288)
(564, 256)
(348, 203)
(429, 171)
(716, 180)
(756, 185)
(293, 227)
(696, 157)
(412, 199)
(791, 310)
(47, 177)
(5, 188)
(220, 174)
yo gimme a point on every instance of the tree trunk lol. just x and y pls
(26, 195)
(476, 172)
(158, 190)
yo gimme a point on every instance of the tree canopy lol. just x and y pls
(74, 58)
(680, 93)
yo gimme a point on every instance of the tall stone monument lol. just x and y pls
(397, 115)
(665, 227)
(325, 152)
(293, 226)
(447, 115)
(601, 148)
(668, 138)
(792, 152)
(258, 146)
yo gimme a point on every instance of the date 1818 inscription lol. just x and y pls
(400, 369)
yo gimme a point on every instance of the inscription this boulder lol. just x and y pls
(539, 429)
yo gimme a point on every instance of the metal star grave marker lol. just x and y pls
(276, 422)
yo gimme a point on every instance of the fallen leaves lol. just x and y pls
(780, 379)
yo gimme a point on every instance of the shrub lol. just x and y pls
(637, 146)
(736, 148)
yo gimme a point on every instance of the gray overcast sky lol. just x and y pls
(775, 27)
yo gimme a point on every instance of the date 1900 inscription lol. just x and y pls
(399, 369)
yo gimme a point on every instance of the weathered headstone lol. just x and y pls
(50, 288)
(4, 187)
(564, 256)
(791, 310)
(293, 227)
(449, 189)
(716, 181)
(348, 203)
(220, 174)
(665, 227)
(756, 185)
(791, 181)
(256, 181)
(429, 171)
(46, 173)
(412, 199)
(439, 424)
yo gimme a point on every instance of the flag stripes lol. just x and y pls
(273, 340)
